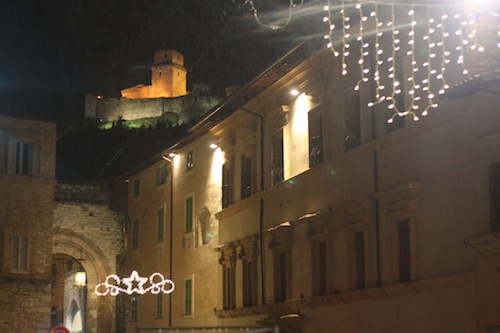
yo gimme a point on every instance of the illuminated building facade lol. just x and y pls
(314, 214)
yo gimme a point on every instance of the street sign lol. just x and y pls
(59, 329)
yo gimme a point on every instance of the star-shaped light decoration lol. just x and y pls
(112, 285)
(129, 282)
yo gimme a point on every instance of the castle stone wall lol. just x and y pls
(186, 108)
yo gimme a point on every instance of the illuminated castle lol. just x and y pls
(166, 99)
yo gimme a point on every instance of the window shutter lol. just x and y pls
(11, 158)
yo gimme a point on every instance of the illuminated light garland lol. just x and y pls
(414, 69)
(463, 42)
(428, 76)
(362, 47)
(112, 285)
(253, 9)
(392, 70)
(328, 20)
(378, 61)
(427, 82)
(345, 36)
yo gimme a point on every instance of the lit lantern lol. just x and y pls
(80, 279)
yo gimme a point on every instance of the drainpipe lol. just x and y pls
(261, 215)
(171, 231)
(377, 215)
(375, 191)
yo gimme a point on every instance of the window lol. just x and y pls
(189, 214)
(137, 188)
(188, 297)
(205, 227)
(352, 120)
(189, 160)
(159, 305)
(320, 274)
(226, 184)
(315, 137)
(134, 307)
(281, 245)
(229, 287)
(246, 176)
(359, 258)
(277, 158)
(249, 282)
(19, 262)
(24, 158)
(400, 208)
(320, 231)
(281, 276)
(404, 250)
(161, 214)
(135, 233)
(227, 260)
(161, 174)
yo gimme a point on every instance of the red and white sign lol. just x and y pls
(59, 329)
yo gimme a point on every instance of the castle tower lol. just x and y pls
(168, 74)
(168, 77)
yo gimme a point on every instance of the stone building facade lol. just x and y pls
(87, 230)
(312, 212)
(27, 175)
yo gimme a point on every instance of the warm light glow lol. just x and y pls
(80, 279)
(214, 146)
(294, 92)
(134, 284)
(218, 162)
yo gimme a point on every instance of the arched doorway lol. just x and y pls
(69, 293)
(82, 309)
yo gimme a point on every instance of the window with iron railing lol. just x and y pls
(246, 176)
(277, 158)
(315, 137)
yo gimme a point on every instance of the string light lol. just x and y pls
(112, 285)
(392, 70)
(379, 98)
(331, 26)
(362, 46)
(253, 9)
(345, 36)
(428, 62)
(427, 82)
(414, 87)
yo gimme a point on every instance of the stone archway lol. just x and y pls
(100, 311)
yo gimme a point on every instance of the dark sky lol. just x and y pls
(55, 51)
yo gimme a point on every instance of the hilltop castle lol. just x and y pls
(166, 99)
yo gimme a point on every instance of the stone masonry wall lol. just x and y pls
(187, 107)
(26, 209)
(83, 214)
(85, 210)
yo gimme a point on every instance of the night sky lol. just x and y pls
(55, 51)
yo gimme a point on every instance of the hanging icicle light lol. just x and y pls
(446, 34)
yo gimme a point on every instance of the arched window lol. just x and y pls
(205, 226)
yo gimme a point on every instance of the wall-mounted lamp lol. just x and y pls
(294, 92)
(171, 155)
(214, 146)
(80, 279)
